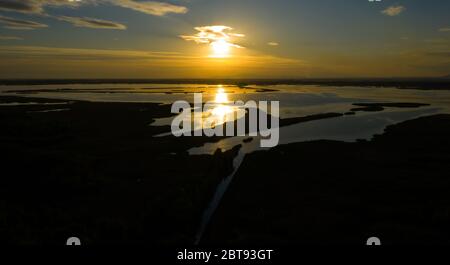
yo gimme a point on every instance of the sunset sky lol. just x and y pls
(224, 38)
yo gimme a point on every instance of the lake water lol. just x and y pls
(295, 101)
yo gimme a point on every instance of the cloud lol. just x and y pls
(393, 10)
(33, 6)
(37, 6)
(273, 44)
(211, 34)
(151, 7)
(12, 23)
(10, 38)
(94, 23)
(447, 29)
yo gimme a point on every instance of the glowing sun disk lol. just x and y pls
(220, 48)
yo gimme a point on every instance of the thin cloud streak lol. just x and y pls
(81, 54)
(93, 54)
(151, 7)
(10, 38)
(94, 23)
(20, 24)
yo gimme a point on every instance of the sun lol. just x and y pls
(220, 49)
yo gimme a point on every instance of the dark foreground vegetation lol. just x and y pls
(97, 173)
(395, 187)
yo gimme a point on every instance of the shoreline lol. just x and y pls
(432, 83)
